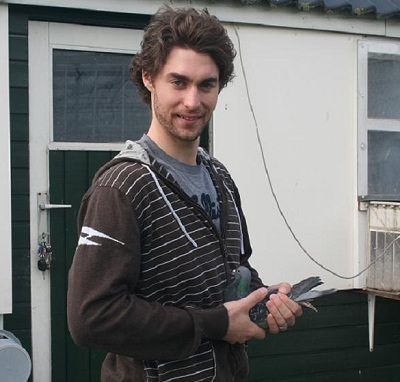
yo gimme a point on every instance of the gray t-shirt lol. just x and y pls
(195, 181)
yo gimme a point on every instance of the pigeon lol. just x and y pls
(301, 292)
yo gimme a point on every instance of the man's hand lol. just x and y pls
(282, 314)
(282, 310)
(241, 328)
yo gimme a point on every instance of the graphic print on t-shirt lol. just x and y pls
(211, 207)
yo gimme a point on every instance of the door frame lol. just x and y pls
(43, 38)
(5, 169)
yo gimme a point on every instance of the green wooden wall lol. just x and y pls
(19, 321)
(332, 345)
(329, 346)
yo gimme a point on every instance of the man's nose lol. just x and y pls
(192, 98)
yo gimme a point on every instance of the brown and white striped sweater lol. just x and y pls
(148, 275)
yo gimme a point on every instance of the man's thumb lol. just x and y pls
(256, 296)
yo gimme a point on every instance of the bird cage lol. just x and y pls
(384, 248)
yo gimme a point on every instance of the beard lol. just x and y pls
(176, 126)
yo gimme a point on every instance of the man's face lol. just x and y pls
(184, 94)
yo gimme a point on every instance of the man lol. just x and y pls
(162, 229)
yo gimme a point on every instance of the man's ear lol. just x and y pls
(147, 81)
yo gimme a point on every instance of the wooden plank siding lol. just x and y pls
(328, 346)
(332, 345)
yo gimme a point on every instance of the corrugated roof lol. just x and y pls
(381, 8)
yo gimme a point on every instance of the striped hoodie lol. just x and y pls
(147, 279)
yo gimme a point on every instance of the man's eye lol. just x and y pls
(178, 83)
(208, 85)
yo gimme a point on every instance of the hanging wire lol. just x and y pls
(267, 173)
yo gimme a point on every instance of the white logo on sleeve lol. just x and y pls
(88, 233)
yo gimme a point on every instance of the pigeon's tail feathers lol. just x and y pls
(304, 286)
(312, 294)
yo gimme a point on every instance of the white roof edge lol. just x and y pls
(237, 13)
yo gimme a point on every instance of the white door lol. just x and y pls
(58, 123)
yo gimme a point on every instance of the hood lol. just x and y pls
(134, 150)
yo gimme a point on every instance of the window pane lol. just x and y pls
(94, 99)
(384, 86)
(384, 164)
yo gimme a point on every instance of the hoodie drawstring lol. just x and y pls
(174, 214)
(240, 220)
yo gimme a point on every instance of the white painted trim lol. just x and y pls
(5, 169)
(365, 124)
(392, 28)
(39, 66)
(362, 103)
(92, 38)
(234, 12)
(82, 146)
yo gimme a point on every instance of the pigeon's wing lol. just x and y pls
(230, 292)
(302, 291)
(258, 314)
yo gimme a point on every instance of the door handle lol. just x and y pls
(46, 206)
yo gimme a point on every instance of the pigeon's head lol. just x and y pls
(239, 284)
(241, 274)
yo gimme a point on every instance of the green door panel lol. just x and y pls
(71, 173)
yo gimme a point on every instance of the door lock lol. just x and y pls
(45, 251)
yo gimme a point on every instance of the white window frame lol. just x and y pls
(366, 124)
(88, 39)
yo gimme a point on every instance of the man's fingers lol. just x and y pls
(293, 306)
(273, 327)
(259, 333)
(284, 288)
(283, 310)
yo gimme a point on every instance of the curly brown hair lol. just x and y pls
(187, 28)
